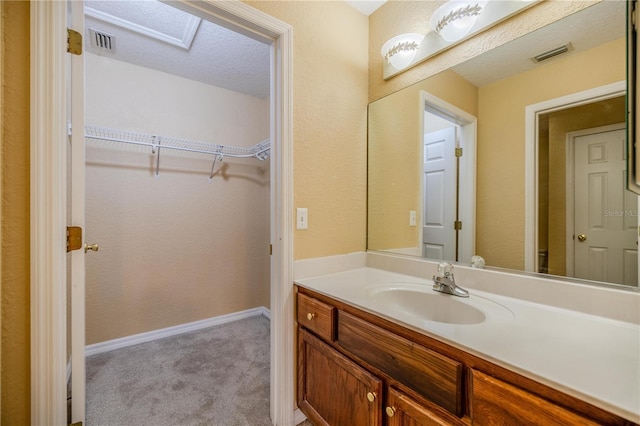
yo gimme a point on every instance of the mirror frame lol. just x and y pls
(633, 110)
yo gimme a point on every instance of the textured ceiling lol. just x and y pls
(366, 7)
(590, 27)
(157, 36)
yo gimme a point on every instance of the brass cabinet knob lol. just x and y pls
(582, 237)
(310, 316)
(391, 411)
(371, 396)
(92, 247)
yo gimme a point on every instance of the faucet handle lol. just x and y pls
(445, 269)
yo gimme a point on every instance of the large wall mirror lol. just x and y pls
(517, 155)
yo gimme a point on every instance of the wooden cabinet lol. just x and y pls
(436, 377)
(495, 402)
(333, 390)
(402, 410)
(346, 367)
(358, 369)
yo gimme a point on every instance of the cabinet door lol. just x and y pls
(402, 410)
(332, 390)
(495, 402)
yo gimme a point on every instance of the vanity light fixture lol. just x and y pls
(454, 19)
(451, 23)
(400, 51)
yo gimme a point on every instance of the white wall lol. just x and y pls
(179, 248)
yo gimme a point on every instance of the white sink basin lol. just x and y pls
(420, 302)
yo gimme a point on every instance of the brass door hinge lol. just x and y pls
(75, 424)
(458, 152)
(74, 238)
(74, 42)
(457, 225)
(270, 249)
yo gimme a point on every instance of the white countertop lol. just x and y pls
(593, 358)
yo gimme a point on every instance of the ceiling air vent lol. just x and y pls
(552, 53)
(102, 41)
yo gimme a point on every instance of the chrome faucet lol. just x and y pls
(444, 282)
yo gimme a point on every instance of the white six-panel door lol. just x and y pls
(439, 194)
(606, 221)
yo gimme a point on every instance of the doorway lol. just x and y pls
(177, 158)
(447, 181)
(49, 147)
(559, 219)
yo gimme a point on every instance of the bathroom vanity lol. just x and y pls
(381, 348)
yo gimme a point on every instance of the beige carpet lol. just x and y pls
(218, 376)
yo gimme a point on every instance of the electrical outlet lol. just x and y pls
(302, 218)
(412, 218)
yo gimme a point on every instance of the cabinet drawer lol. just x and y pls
(436, 377)
(316, 316)
(496, 402)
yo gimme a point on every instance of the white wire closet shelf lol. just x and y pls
(260, 150)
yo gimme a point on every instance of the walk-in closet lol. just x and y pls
(177, 117)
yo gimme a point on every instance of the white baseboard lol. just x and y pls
(136, 339)
(298, 417)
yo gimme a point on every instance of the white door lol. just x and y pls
(439, 195)
(75, 216)
(606, 214)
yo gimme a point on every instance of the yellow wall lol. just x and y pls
(500, 218)
(14, 345)
(330, 115)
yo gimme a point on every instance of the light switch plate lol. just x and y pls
(412, 218)
(302, 218)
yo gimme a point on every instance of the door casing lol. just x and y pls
(532, 112)
(467, 180)
(48, 167)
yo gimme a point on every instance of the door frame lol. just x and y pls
(467, 138)
(532, 113)
(48, 165)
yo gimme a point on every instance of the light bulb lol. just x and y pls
(401, 50)
(454, 19)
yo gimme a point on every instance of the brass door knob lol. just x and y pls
(310, 316)
(371, 396)
(92, 247)
(582, 237)
(391, 411)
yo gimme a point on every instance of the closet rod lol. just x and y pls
(259, 151)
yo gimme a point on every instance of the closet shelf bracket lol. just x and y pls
(217, 157)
